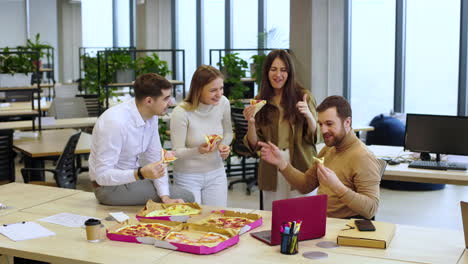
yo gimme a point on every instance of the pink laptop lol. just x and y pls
(312, 210)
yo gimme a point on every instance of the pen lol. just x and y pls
(22, 222)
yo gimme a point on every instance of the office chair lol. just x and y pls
(92, 104)
(65, 173)
(68, 108)
(7, 155)
(247, 168)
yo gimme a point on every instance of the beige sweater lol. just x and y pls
(188, 130)
(356, 167)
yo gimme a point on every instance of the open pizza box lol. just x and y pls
(222, 239)
(241, 222)
(111, 232)
(161, 211)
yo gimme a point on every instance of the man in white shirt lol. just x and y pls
(125, 162)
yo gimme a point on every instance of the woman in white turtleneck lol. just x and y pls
(199, 167)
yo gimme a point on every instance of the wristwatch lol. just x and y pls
(140, 176)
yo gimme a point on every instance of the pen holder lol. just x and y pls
(289, 243)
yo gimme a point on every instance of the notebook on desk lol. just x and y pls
(312, 210)
(464, 212)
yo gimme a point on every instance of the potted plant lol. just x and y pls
(90, 81)
(256, 70)
(38, 46)
(233, 67)
(154, 64)
(15, 68)
(118, 63)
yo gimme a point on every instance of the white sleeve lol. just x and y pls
(153, 154)
(227, 124)
(105, 149)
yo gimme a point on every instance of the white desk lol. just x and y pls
(410, 244)
(401, 172)
(18, 196)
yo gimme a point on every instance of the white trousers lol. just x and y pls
(283, 188)
(209, 188)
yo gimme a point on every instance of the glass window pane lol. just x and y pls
(96, 19)
(213, 27)
(122, 10)
(372, 58)
(186, 38)
(245, 28)
(244, 24)
(277, 23)
(432, 50)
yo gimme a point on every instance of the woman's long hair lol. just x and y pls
(201, 77)
(292, 91)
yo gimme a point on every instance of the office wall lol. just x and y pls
(317, 44)
(69, 39)
(12, 23)
(153, 26)
(43, 20)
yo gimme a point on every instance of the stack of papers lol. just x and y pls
(67, 219)
(24, 231)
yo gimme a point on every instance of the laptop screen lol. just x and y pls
(311, 210)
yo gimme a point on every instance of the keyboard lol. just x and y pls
(434, 165)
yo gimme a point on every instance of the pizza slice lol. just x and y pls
(155, 230)
(212, 238)
(173, 210)
(179, 237)
(229, 222)
(319, 160)
(209, 238)
(213, 139)
(258, 104)
(167, 156)
(182, 209)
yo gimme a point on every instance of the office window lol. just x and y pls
(245, 27)
(277, 23)
(213, 27)
(432, 50)
(96, 19)
(186, 38)
(372, 58)
(122, 11)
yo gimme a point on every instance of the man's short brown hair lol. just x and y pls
(343, 109)
(150, 84)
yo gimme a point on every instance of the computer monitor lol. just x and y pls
(437, 134)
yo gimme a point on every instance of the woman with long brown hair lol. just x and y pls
(205, 111)
(288, 120)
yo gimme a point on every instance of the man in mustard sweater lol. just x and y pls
(349, 174)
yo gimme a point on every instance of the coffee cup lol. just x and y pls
(93, 230)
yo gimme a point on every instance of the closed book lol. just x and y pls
(380, 238)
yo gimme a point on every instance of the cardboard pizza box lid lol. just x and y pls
(257, 219)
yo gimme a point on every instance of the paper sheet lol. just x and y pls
(119, 216)
(67, 219)
(24, 231)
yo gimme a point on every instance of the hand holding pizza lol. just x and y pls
(205, 148)
(328, 178)
(154, 170)
(211, 143)
(249, 114)
(168, 200)
(224, 151)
